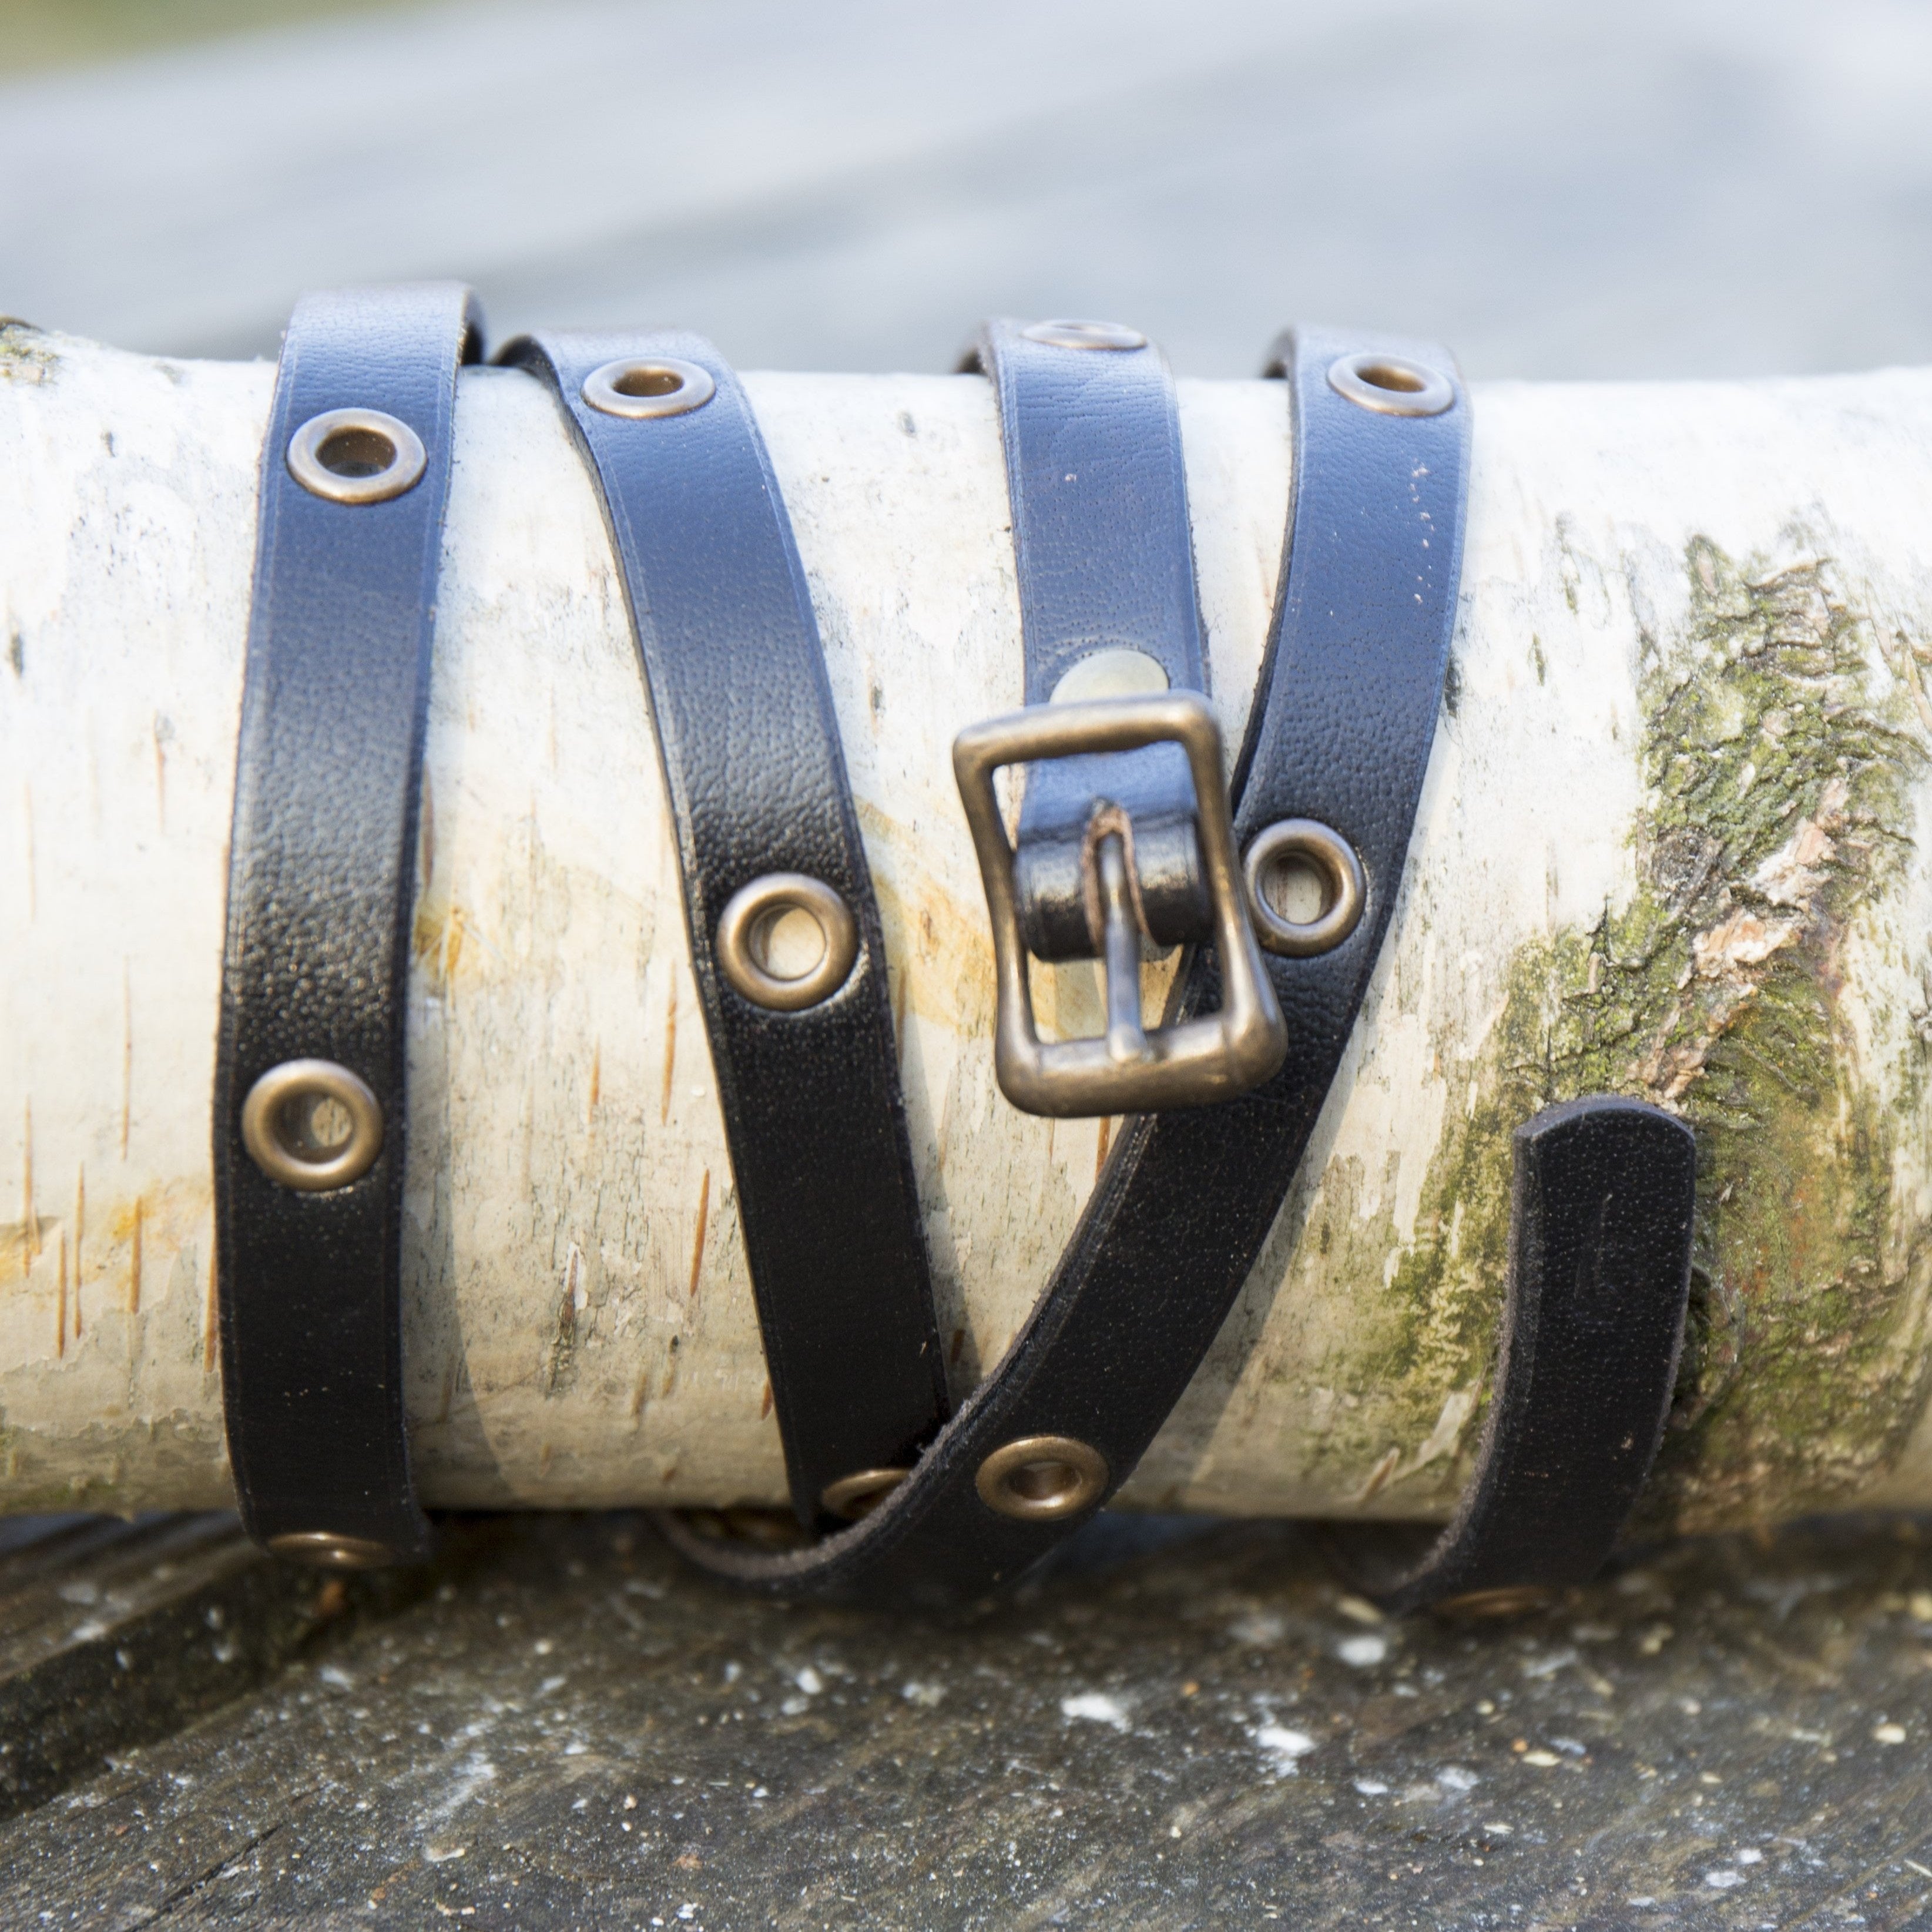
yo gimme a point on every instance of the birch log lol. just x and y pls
(1674, 842)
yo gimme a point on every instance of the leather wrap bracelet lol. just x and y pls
(1131, 838)
(311, 1105)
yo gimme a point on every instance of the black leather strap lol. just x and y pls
(1599, 1274)
(750, 746)
(322, 877)
(1340, 732)
(1105, 558)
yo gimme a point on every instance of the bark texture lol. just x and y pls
(1674, 842)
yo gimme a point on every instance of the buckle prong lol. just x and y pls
(1130, 1069)
(1127, 1039)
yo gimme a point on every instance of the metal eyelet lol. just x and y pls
(860, 1493)
(768, 1530)
(1331, 856)
(323, 1551)
(312, 1126)
(747, 927)
(356, 456)
(1063, 333)
(1514, 1600)
(1043, 1478)
(640, 387)
(1391, 385)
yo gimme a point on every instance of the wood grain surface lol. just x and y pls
(1178, 1728)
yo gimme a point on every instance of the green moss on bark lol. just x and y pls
(1777, 797)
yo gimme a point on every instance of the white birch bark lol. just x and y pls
(1677, 600)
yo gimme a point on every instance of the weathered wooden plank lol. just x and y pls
(577, 1733)
(113, 1633)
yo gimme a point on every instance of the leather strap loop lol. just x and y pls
(1339, 734)
(807, 1072)
(310, 1100)
(1600, 1275)
(1105, 558)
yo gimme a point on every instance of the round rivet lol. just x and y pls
(1116, 672)
(860, 1493)
(312, 1125)
(356, 456)
(1389, 385)
(323, 1551)
(1289, 845)
(1043, 1478)
(1062, 333)
(643, 386)
(766, 945)
(1514, 1600)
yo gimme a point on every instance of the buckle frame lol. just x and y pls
(1129, 1069)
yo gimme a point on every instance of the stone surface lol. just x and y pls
(1181, 1727)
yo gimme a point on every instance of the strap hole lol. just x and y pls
(312, 1126)
(1297, 890)
(356, 456)
(856, 1496)
(1067, 332)
(1043, 1478)
(356, 452)
(648, 380)
(640, 387)
(1305, 888)
(788, 942)
(1044, 1482)
(1394, 376)
(1391, 386)
(323, 1551)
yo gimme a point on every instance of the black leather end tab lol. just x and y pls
(321, 879)
(1600, 1273)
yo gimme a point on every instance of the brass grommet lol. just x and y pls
(860, 1493)
(311, 1125)
(1514, 1599)
(1063, 333)
(1391, 385)
(643, 386)
(1043, 1478)
(750, 923)
(1331, 855)
(766, 1529)
(356, 456)
(323, 1551)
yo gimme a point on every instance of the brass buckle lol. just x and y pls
(1129, 1069)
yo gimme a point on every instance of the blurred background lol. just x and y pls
(1653, 187)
